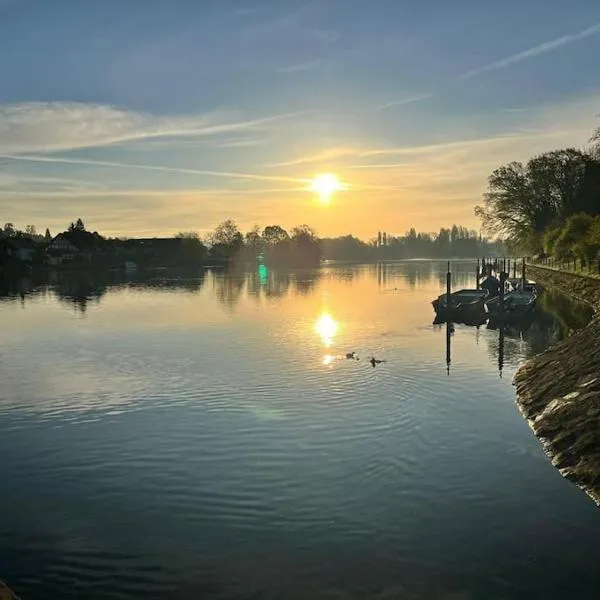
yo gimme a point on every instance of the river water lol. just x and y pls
(207, 438)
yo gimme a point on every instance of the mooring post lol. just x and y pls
(502, 286)
(448, 286)
(501, 349)
(523, 274)
(448, 346)
(515, 268)
(477, 275)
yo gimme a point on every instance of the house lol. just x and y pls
(21, 250)
(60, 250)
(76, 246)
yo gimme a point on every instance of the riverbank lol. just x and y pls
(558, 391)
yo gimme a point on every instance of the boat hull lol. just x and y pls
(514, 303)
(463, 304)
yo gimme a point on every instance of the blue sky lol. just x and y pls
(150, 117)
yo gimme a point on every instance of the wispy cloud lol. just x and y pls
(103, 192)
(120, 165)
(300, 21)
(44, 127)
(323, 156)
(311, 65)
(380, 166)
(241, 143)
(443, 146)
(279, 23)
(407, 100)
(534, 51)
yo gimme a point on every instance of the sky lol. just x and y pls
(148, 117)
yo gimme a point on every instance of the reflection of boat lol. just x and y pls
(463, 303)
(518, 301)
(514, 324)
(474, 320)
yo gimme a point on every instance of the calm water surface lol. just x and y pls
(204, 438)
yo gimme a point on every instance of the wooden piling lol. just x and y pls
(477, 275)
(448, 346)
(448, 286)
(501, 349)
(502, 286)
(523, 280)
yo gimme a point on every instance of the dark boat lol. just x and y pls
(516, 284)
(520, 301)
(462, 303)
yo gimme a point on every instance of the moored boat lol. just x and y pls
(462, 302)
(516, 284)
(518, 301)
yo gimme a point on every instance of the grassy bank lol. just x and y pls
(559, 391)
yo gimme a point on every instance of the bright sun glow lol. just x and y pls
(325, 185)
(326, 327)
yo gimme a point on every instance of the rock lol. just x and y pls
(559, 391)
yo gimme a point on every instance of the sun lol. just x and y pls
(325, 185)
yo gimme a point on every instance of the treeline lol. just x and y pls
(271, 245)
(455, 242)
(9, 231)
(547, 205)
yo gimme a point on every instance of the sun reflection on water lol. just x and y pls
(328, 359)
(327, 328)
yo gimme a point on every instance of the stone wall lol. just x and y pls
(585, 289)
(558, 391)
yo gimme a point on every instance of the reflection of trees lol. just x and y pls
(553, 319)
(191, 285)
(278, 284)
(305, 281)
(78, 289)
(254, 283)
(228, 287)
(568, 315)
(275, 283)
(463, 274)
(346, 273)
(81, 288)
(14, 288)
(412, 273)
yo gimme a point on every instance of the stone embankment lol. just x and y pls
(558, 391)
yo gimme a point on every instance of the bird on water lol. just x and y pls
(375, 361)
